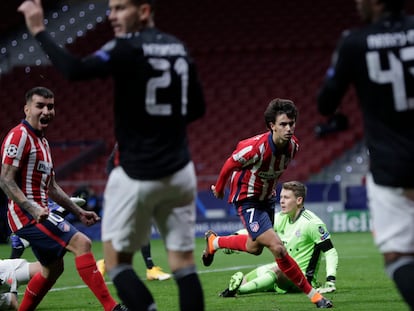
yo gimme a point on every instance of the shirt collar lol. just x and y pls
(37, 132)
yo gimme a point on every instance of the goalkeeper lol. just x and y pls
(305, 236)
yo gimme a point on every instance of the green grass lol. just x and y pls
(361, 281)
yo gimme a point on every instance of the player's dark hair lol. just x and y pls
(393, 6)
(39, 90)
(138, 2)
(277, 107)
(150, 2)
(297, 188)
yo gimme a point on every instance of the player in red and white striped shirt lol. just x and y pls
(26, 149)
(255, 167)
(28, 179)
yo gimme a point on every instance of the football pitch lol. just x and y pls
(361, 281)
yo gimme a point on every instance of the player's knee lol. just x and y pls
(254, 247)
(278, 250)
(53, 271)
(178, 260)
(255, 250)
(80, 244)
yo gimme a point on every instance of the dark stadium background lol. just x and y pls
(247, 53)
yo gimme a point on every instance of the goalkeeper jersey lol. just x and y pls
(302, 239)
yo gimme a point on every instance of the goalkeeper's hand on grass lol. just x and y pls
(328, 287)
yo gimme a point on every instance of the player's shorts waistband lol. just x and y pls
(265, 204)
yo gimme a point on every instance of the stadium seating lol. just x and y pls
(246, 56)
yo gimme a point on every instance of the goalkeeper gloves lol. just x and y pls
(329, 286)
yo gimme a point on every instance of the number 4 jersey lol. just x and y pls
(378, 60)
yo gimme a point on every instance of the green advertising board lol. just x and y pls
(351, 221)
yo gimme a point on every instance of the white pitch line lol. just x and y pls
(229, 269)
(199, 272)
(59, 289)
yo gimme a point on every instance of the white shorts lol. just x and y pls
(13, 273)
(14, 269)
(131, 207)
(392, 216)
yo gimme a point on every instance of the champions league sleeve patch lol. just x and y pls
(323, 232)
(11, 151)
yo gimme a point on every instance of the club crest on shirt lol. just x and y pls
(11, 151)
(63, 226)
(254, 226)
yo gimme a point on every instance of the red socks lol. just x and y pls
(86, 266)
(293, 272)
(236, 242)
(36, 289)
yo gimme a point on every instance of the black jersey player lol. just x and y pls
(378, 60)
(157, 93)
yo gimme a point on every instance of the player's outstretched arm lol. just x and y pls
(331, 257)
(33, 15)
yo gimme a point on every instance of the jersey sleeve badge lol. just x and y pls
(11, 151)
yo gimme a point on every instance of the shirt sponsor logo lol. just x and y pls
(269, 175)
(44, 167)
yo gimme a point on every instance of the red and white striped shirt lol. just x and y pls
(256, 165)
(30, 152)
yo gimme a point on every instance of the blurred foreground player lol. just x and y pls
(157, 94)
(378, 60)
(153, 272)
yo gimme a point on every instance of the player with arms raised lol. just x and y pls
(157, 93)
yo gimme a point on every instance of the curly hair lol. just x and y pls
(277, 107)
